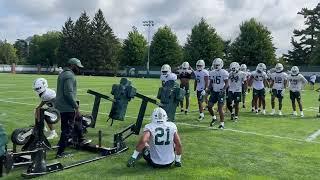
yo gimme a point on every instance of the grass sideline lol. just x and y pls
(258, 147)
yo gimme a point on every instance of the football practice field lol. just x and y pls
(257, 147)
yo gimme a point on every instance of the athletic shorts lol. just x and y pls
(234, 96)
(312, 82)
(295, 95)
(243, 90)
(277, 93)
(216, 97)
(186, 88)
(147, 157)
(200, 97)
(259, 93)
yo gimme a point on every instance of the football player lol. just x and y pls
(278, 84)
(244, 69)
(296, 83)
(217, 87)
(47, 96)
(237, 83)
(201, 85)
(166, 74)
(160, 143)
(258, 80)
(185, 74)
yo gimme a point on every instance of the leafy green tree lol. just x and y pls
(306, 38)
(105, 46)
(7, 53)
(67, 47)
(253, 45)
(203, 43)
(164, 48)
(22, 49)
(44, 48)
(134, 49)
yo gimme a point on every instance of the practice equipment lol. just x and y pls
(185, 66)
(170, 96)
(295, 70)
(279, 67)
(234, 67)
(243, 67)
(40, 85)
(217, 63)
(200, 65)
(165, 69)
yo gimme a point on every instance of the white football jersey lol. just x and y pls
(297, 82)
(161, 142)
(217, 78)
(48, 96)
(313, 78)
(258, 80)
(199, 75)
(279, 80)
(168, 77)
(236, 80)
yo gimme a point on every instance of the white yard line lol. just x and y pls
(313, 136)
(252, 133)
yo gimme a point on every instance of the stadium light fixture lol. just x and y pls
(148, 24)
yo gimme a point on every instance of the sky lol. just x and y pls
(20, 19)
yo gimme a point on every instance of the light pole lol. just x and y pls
(149, 24)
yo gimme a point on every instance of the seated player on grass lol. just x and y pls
(47, 96)
(160, 143)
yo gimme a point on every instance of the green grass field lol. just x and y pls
(257, 147)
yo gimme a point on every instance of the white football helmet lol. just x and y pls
(185, 66)
(165, 69)
(40, 85)
(234, 67)
(217, 63)
(159, 116)
(294, 70)
(243, 67)
(200, 65)
(261, 67)
(279, 67)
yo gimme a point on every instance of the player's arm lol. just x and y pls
(139, 148)
(37, 112)
(226, 85)
(206, 82)
(178, 149)
(195, 84)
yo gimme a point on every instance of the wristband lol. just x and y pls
(178, 158)
(135, 154)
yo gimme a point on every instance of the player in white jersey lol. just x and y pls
(278, 84)
(237, 83)
(217, 87)
(296, 84)
(258, 80)
(313, 79)
(185, 74)
(160, 143)
(244, 69)
(166, 74)
(47, 96)
(201, 85)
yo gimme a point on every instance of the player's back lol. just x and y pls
(161, 142)
(49, 97)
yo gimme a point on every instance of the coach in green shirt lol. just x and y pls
(66, 103)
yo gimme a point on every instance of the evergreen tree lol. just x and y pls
(165, 49)
(203, 43)
(82, 38)
(105, 46)
(7, 53)
(67, 47)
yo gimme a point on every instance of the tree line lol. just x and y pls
(94, 42)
